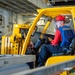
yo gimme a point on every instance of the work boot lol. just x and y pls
(40, 64)
(34, 51)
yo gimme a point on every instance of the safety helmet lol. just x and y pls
(60, 18)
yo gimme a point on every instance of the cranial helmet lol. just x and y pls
(60, 18)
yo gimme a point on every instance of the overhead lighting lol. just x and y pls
(70, 19)
(66, 17)
(66, 0)
(48, 3)
(35, 14)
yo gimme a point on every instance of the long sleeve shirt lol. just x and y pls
(57, 38)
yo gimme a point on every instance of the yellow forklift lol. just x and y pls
(17, 44)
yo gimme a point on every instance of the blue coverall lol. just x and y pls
(47, 49)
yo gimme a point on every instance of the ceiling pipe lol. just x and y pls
(11, 5)
(8, 8)
(21, 6)
(25, 2)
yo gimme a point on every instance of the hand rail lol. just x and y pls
(7, 60)
(48, 70)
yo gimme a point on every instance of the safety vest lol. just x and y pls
(67, 35)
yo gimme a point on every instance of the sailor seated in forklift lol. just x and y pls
(63, 37)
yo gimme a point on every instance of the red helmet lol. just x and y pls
(60, 18)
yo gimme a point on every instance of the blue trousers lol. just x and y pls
(46, 51)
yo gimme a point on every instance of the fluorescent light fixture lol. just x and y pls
(35, 14)
(70, 19)
(66, 17)
(48, 3)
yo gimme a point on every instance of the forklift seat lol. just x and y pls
(67, 50)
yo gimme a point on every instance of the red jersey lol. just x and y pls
(57, 38)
